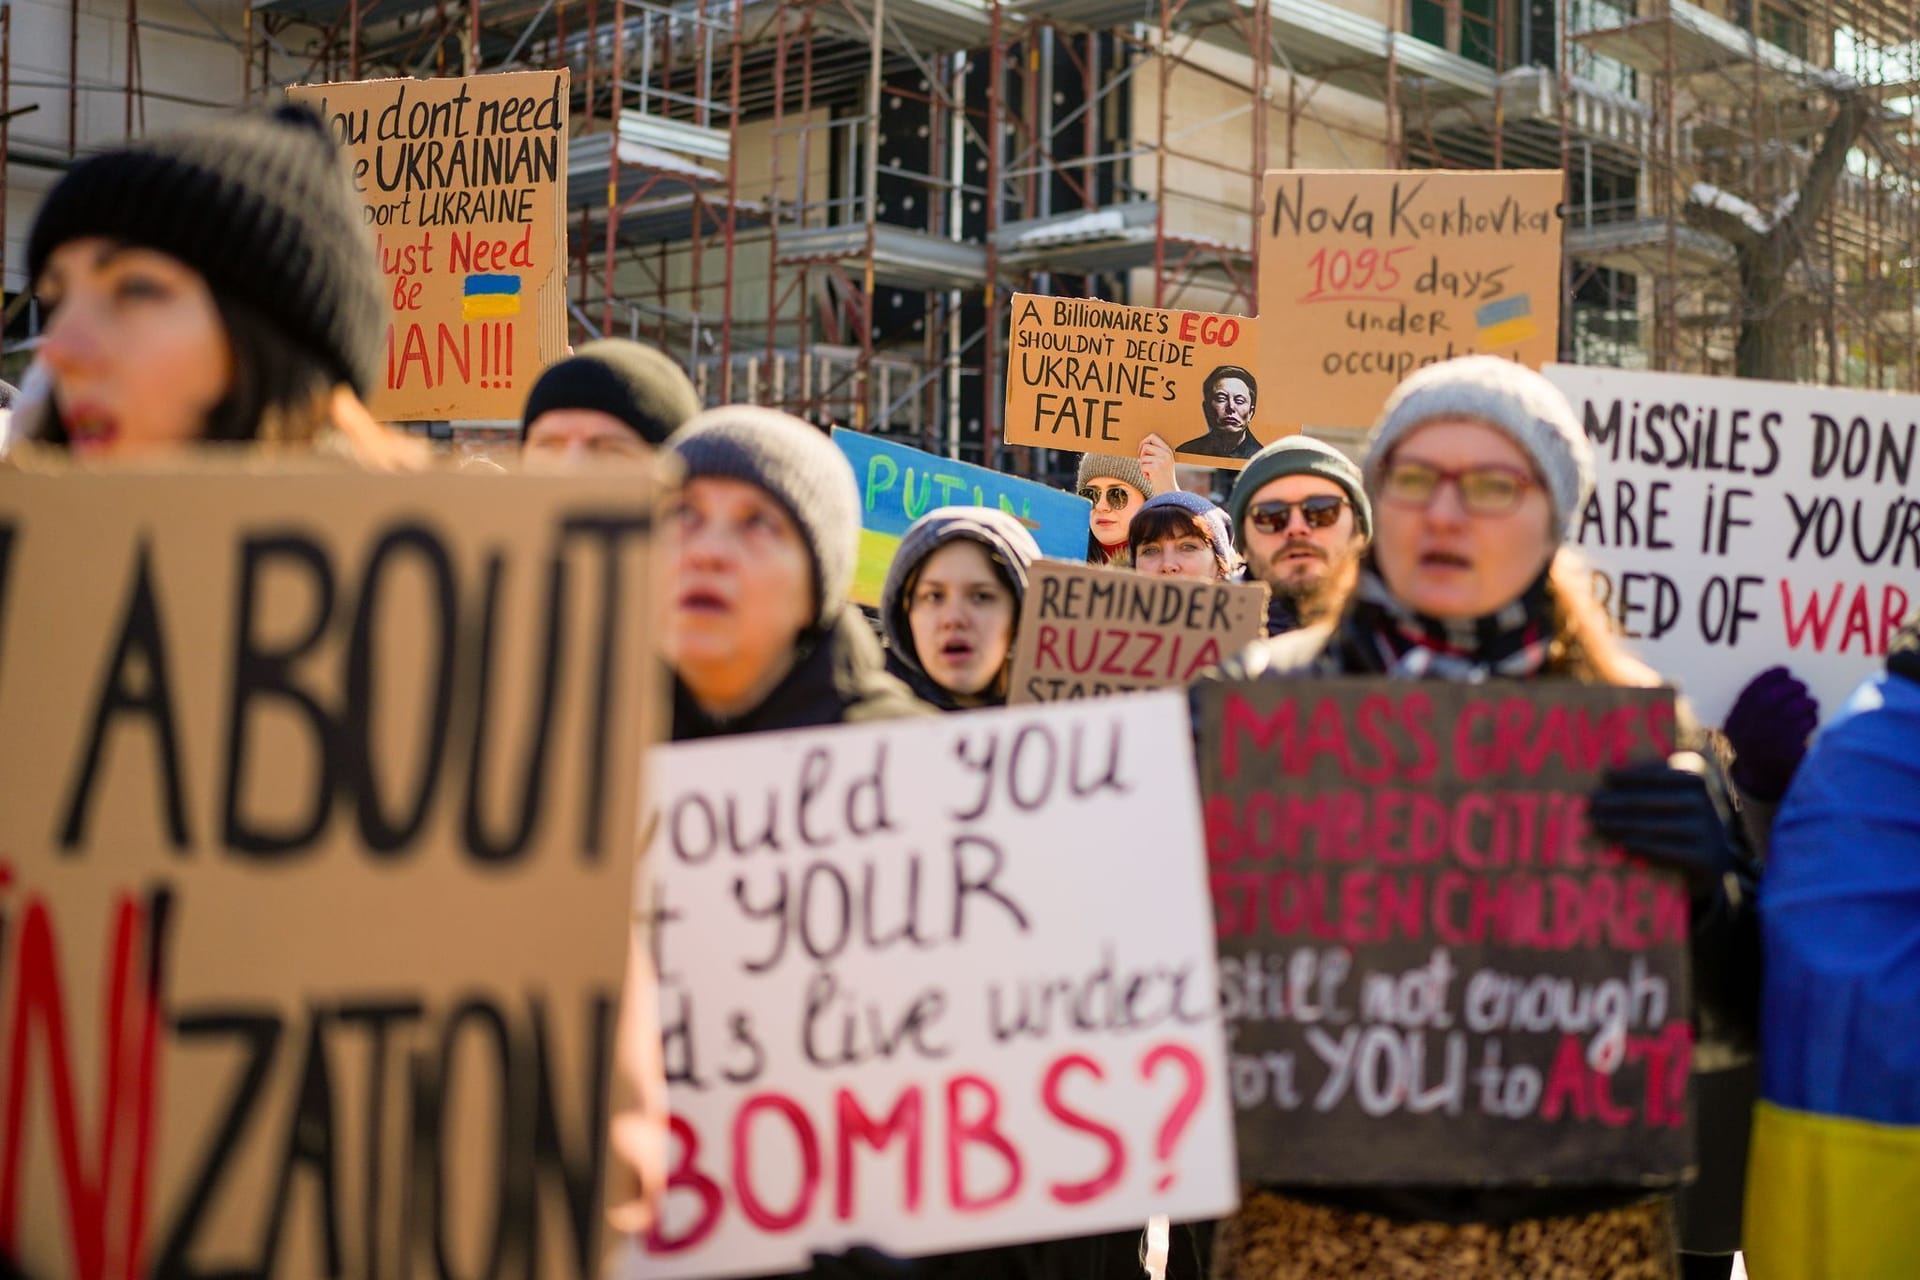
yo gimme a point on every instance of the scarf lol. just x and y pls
(1387, 636)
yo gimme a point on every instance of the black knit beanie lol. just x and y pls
(261, 206)
(803, 469)
(638, 384)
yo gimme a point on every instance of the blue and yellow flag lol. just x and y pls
(1833, 1179)
(1506, 321)
(490, 297)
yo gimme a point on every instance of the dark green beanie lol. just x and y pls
(1298, 456)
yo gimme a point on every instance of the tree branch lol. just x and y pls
(1730, 227)
(1823, 175)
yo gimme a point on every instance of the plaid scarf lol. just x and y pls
(1381, 634)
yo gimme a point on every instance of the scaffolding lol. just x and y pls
(826, 205)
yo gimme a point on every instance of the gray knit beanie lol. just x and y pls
(1114, 465)
(1509, 397)
(1209, 517)
(1298, 456)
(798, 465)
(1007, 543)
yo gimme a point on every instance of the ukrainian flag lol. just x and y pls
(1833, 1181)
(490, 297)
(1506, 321)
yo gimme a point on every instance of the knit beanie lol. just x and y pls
(1297, 455)
(801, 468)
(1114, 465)
(1210, 517)
(638, 384)
(1903, 651)
(1007, 543)
(1512, 399)
(260, 206)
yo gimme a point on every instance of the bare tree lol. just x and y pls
(1766, 253)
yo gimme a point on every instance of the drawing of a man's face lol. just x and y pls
(1229, 405)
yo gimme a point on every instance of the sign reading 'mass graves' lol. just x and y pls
(1433, 974)
(908, 1002)
(1738, 524)
(1087, 631)
(321, 794)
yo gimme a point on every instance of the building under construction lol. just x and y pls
(826, 204)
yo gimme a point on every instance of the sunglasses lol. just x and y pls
(1490, 490)
(1320, 511)
(1117, 495)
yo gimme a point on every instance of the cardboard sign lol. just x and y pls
(465, 186)
(899, 484)
(1366, 276)
(1087, 631)
(1738, 524)
(1100, 377)
(934, 985)
(1434, 974)
(319, 823)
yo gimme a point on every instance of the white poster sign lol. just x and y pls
(1738, 525)
(934, 985)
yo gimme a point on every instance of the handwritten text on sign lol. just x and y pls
(464, 183)
(1087, 631)
(1100, 377)
(1434, 975)
(1369, 275)
(908, 1001)
(320, 810)
(899, 484)
(1739, 524)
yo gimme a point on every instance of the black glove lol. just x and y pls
(1768, 729)
(859, 1263)
(1668, 815)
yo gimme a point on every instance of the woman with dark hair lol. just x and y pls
(951, 605)
(1182, 535)
(212, 285)
(1476, 470)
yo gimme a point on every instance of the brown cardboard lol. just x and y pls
(1433, 972)
(418, 974)
(1100, 377)
(461, 178)
(1367, 275)
(1088, 631)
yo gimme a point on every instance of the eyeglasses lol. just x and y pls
(1489, 490)
(1320, 512)
(1117, 495)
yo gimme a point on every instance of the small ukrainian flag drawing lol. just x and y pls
(490, 297)
(1502, 323)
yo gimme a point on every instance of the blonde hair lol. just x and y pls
(1585, 644)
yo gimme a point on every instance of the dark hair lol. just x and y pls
(1226, 371)
(272, 374)
(1152, 524)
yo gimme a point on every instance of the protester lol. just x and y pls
(1182, 535)
(611, 398)
(764, 537)
(1116, 486)
(1476, 468)
(212, 285)
(1836, 1138)
(951, 605)
(1301, 516)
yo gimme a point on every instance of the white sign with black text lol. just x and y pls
(935, 985)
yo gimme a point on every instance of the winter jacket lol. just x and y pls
(1282, 616)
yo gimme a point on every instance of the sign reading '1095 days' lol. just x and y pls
(1737, 525)
(314, 858)
(1366, 276)
(1434, 974)
(934, 985)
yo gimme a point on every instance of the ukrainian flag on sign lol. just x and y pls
(1833, 1179)
(490, 297)
(1506, 321)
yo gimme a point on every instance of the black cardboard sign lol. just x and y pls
(1434, 974)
